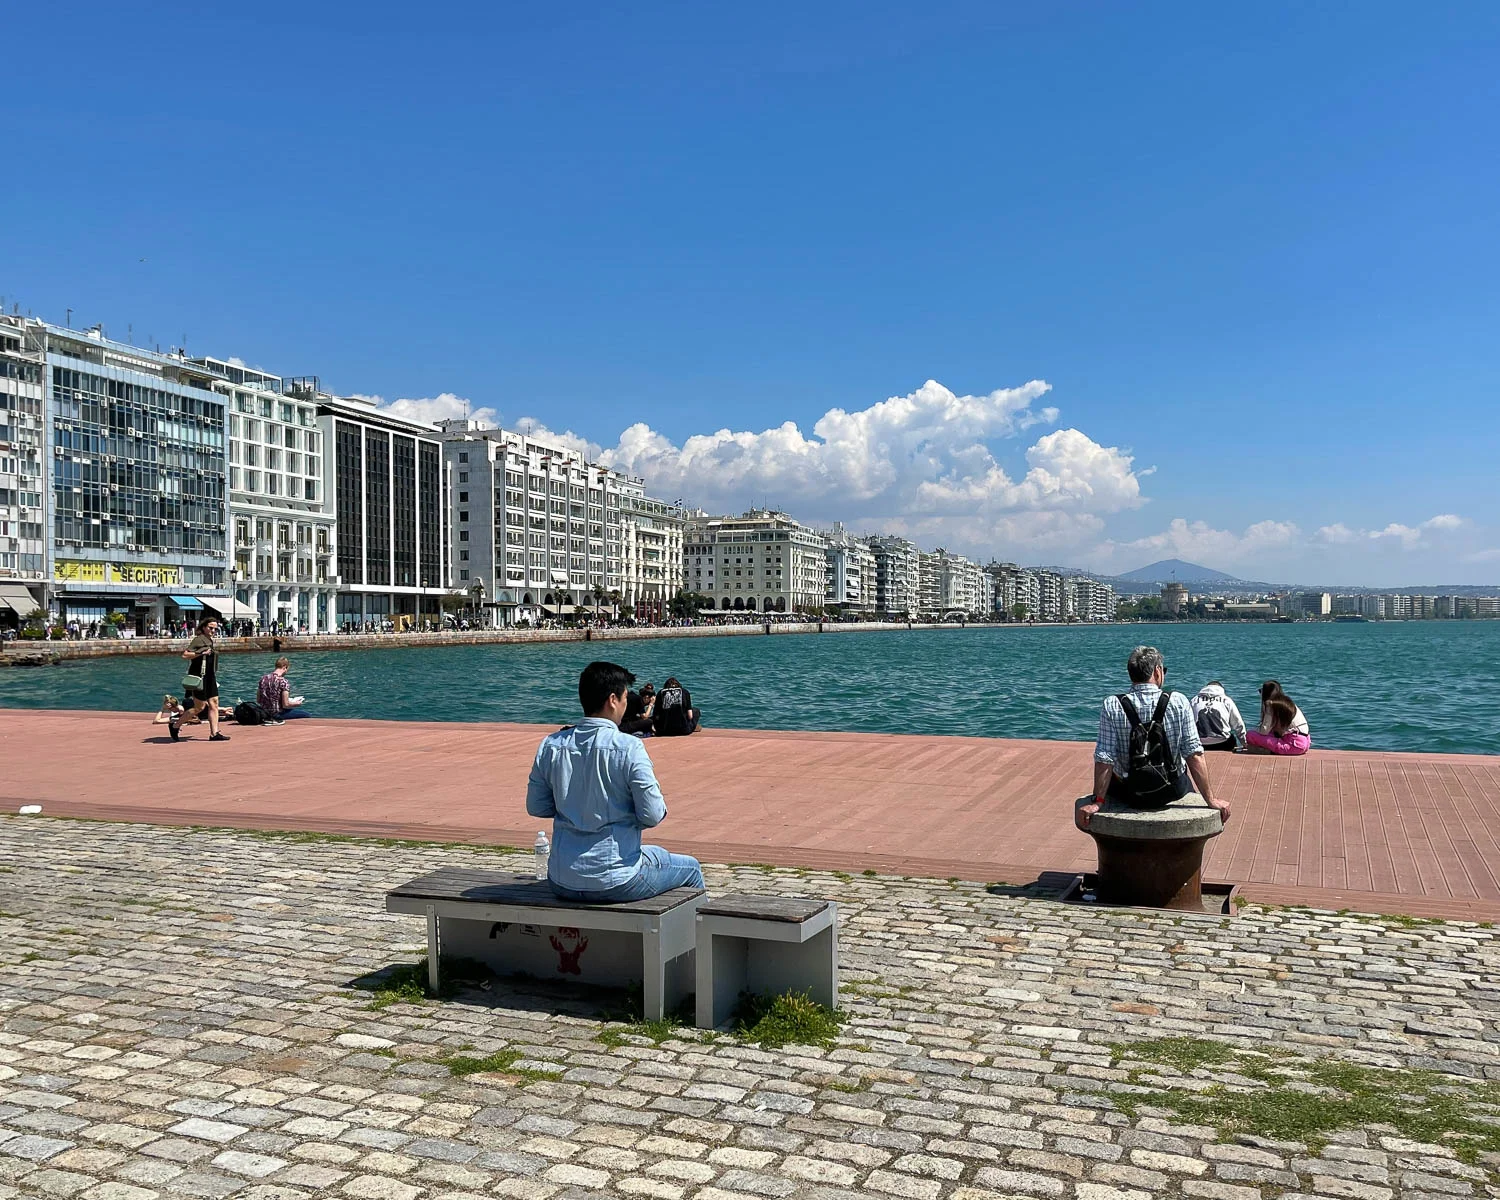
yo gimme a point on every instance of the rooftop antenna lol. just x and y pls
(130, 334)
(70, 318)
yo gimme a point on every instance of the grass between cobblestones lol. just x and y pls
(1277, 1094)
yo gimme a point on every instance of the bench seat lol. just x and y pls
(768, 945)
(516, 924)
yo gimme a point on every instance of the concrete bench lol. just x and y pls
(514, 924)
(1153, 856)
(768, 945)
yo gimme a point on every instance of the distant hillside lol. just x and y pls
(1169, 569)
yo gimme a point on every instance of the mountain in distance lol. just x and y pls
(1169, 569)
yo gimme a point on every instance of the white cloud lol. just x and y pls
(445, 406)
(922, 463)
(1408, 537)
(1198, 541)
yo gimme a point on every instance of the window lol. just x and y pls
(463, 498)
(463, 456)
(463, 477)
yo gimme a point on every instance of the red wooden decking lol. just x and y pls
(1399, 833)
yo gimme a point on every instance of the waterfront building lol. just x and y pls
(651, 534)
(1173, 596)
(1086, 599)
(1315, 604)
(389, 493)
(1028, 593)
(23, 486)
(950, 584)
(539, 530)
(897, 568)
(283, 535)
(851, 572)
(762, 561)
(1003, 577)
(136, 472)
(1050, 596)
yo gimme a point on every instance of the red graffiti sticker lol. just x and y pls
(570, 945)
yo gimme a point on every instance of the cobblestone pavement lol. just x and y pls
(177, 1018)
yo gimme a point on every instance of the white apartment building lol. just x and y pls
(389, 492)
(282, 533)
(1049, 596)
(951, 583)
(1087, 599)
(851, 572)
(763, 561)
(23, 523)
(897, 575)
(538, 530)
(651, 533)
(1028, 594)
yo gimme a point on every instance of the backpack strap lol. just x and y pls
(1130, 714)
(1161, 707)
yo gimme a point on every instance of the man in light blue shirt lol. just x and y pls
(599, 788)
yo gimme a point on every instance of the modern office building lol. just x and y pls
(136, 478)
(282, 535)
(390, 498)
(851, 573)
(897, 575)
(539, 530)
(23, 523)
(763, 561)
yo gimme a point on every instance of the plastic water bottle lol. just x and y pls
(543, 849)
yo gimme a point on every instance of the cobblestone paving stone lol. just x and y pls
(177, 1019)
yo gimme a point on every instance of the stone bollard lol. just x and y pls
(1153, 857)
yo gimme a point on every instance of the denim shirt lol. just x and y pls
(599, 788)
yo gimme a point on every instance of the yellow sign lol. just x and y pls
(75, 571)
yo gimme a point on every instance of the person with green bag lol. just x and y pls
(200, 686)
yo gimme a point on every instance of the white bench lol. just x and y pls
(768, 945)
(517, 925)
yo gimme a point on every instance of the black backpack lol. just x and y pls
(1154, 780)
(247, 712)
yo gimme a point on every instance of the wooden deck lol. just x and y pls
(1396, 833)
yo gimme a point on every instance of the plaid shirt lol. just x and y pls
(1113, 746)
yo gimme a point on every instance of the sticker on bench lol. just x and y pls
(570, 945)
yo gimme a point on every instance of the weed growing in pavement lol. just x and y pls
(406, 983)
(794, 1018)
(501, 1062)
(1304, 1100)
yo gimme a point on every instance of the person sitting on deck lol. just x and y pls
(598, 786)
(1283, 729)
(675, 714)
(1220, 726)
(274, 695)
(640, 711)
(1165, 732)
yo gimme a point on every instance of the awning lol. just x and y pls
(231, 610)
(16, 598)
(186, 601)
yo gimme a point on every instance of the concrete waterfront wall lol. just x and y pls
(32, 654)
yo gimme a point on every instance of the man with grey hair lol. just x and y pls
(1166, 718)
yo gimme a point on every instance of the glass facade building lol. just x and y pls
(137, 450)
(389, 496)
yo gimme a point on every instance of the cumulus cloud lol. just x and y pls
(1198, 541)
(1407, 537)
(924, 464)
(445, 406)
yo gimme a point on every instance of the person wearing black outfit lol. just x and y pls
(675, 714)
(640, 710)
(204, 659)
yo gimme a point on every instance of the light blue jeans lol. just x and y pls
(661, 871)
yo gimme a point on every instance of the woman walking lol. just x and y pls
(1283, 728)
(204, 669)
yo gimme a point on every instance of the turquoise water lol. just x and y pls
(1397, 686)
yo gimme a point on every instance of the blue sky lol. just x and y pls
(1252, 253)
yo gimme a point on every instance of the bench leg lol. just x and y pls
(432, 950)
(653, 977)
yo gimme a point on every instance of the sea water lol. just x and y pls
(1431, 685)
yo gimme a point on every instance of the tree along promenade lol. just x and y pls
(32, 653)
